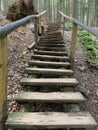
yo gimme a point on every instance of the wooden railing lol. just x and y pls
(4, 31)
(76, 23)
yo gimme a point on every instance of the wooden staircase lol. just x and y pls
(49, 67)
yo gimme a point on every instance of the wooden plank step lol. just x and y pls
(49, 64)
(60, 72)
(59, 53)
(55, 97)
(50, 82)
(51, 45)
(51, 42)
(53, 33)
(47, 57)
(59, 37)
(52, 36)
(43, 120)
(51, 48)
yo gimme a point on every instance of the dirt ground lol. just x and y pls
(18, 56)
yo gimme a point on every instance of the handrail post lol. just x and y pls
(60, 21)
(46, 17)
(3, 81)
(36, 30)
(63, 27)
(40, 31)
(73, 42)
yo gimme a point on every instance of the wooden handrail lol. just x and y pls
(8, 28)
(84, 26)
(77, 23)
(42, 13)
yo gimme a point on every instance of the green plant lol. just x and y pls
(68, 26)
(91, 44)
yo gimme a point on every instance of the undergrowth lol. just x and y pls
(91, 44)
(68, 26)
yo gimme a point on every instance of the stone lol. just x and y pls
(82, 69)
(97, 93)
(96, 85)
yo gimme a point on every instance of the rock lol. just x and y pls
(96, 85)
(97, 93)
(82, 69)
(23, 54)
(9, 97)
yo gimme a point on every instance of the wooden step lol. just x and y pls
(42, 120)
(52, 42)
(59, 53)
(47, 57)
(45, 71)
(55, 97)
(51, 45)
(52, 34)
(49, 64)
(58, 37)
(52, 38)
(50, 48)
(72, 82)
(53, 29)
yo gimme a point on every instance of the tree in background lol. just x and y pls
(84, 10)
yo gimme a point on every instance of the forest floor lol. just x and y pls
(18, 57)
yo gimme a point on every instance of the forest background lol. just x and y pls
(84, 10)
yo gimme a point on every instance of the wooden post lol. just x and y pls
(63, 27)
(46, 17)
(40, 31)
(36, 31)
(3, 81)
(73, 42)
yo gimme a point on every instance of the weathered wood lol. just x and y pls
(51, 45)
(52, 38)
(60, 72)
(40, 31)
(55, 97)
(43, 120)
(51, 48)
(42, 13)
(58, 36)
(73, 43)
(47, 57)
(64, 27)
(52, 42)
(54, 53)
(31, 46)
(49, 64)
(50, 82)
(36, 30)
(3, 81)
(57, 33)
